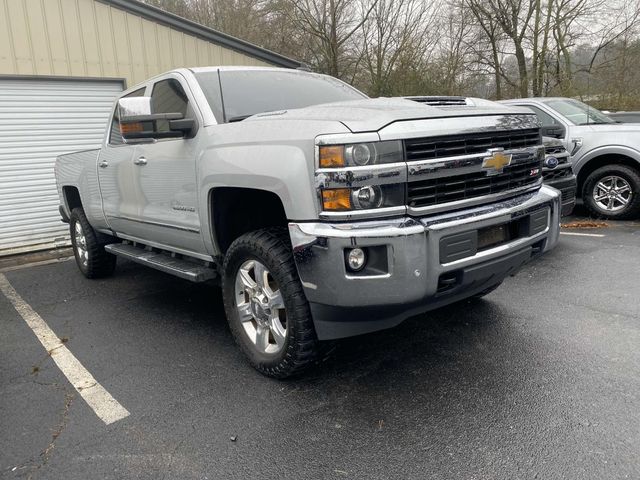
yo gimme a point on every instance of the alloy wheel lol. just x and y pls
(260, 307)
(81, 244)
(612, 193)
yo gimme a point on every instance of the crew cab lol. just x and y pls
(605, 154)
(322, 213)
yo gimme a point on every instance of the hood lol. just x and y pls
(617, 128)
(370, 115)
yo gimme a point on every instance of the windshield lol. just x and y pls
(247, 92)
(578, 113)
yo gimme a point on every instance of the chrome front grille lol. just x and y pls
(466, 144)
(453, 187)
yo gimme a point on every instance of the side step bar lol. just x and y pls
(165, 262)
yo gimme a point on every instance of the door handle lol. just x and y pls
(140, 161)
(103, 164)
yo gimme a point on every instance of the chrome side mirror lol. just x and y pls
(138, 122)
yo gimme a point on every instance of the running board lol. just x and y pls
(165, 262)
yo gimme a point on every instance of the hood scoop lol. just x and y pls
(442, 101)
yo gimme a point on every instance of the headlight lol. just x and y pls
(360, 154)
(363, 198)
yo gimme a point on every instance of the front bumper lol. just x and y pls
(568, 186)
(418, 277)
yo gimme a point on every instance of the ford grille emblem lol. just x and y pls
(551, 162)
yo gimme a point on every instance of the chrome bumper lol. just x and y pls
(345, 304)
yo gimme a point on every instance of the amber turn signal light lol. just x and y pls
(332, 156)
(336, 199)
(128, 128)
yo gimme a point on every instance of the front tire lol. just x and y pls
(91, 257)
(613, 192)
(266, 308)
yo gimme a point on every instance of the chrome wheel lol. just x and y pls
(260, 307)
(81, 244)
(612, 193)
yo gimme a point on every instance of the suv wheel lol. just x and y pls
(613, 192)
(91, 257)
(266, 308)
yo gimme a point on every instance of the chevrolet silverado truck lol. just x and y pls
(322, 213)
(605, 154)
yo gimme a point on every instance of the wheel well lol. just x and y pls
(72, 198)
(597, 162)
(236, 211)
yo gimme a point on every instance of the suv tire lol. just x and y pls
(279, 340)
(91, 257)
(616, 179)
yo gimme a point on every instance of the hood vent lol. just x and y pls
(434, 101)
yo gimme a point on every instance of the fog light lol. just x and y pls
(356, 259)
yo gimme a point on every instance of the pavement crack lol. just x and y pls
(47, 453)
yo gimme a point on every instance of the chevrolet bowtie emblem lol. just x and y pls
(496, 162)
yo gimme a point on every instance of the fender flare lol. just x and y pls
(606, 150)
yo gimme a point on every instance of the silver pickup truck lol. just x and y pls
(322, 213)
(605, 155)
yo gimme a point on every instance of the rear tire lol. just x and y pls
(91, 257)
(266, 307)
(612, 192)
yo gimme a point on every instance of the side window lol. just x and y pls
(168, 96)
(545, 119)
(114, 135)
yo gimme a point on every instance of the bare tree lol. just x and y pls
(395, 28)
(330, 25)
(493, 35)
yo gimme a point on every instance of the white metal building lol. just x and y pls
(62, 64)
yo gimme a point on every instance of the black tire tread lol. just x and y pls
(632, 211)
(303, 346)
(101, 263)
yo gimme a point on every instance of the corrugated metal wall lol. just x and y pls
(39, 120)
(90, 39)
(42, 118)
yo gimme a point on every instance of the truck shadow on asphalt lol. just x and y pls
(472, 334)
(474, 362)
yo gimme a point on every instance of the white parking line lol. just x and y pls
(103, 404)
(598, 235)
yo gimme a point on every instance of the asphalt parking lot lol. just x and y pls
(539, 380)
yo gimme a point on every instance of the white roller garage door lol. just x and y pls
(39, 120)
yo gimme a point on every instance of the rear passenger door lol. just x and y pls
(165, 172)
(120, 195)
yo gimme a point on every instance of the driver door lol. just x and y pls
(165, 175)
